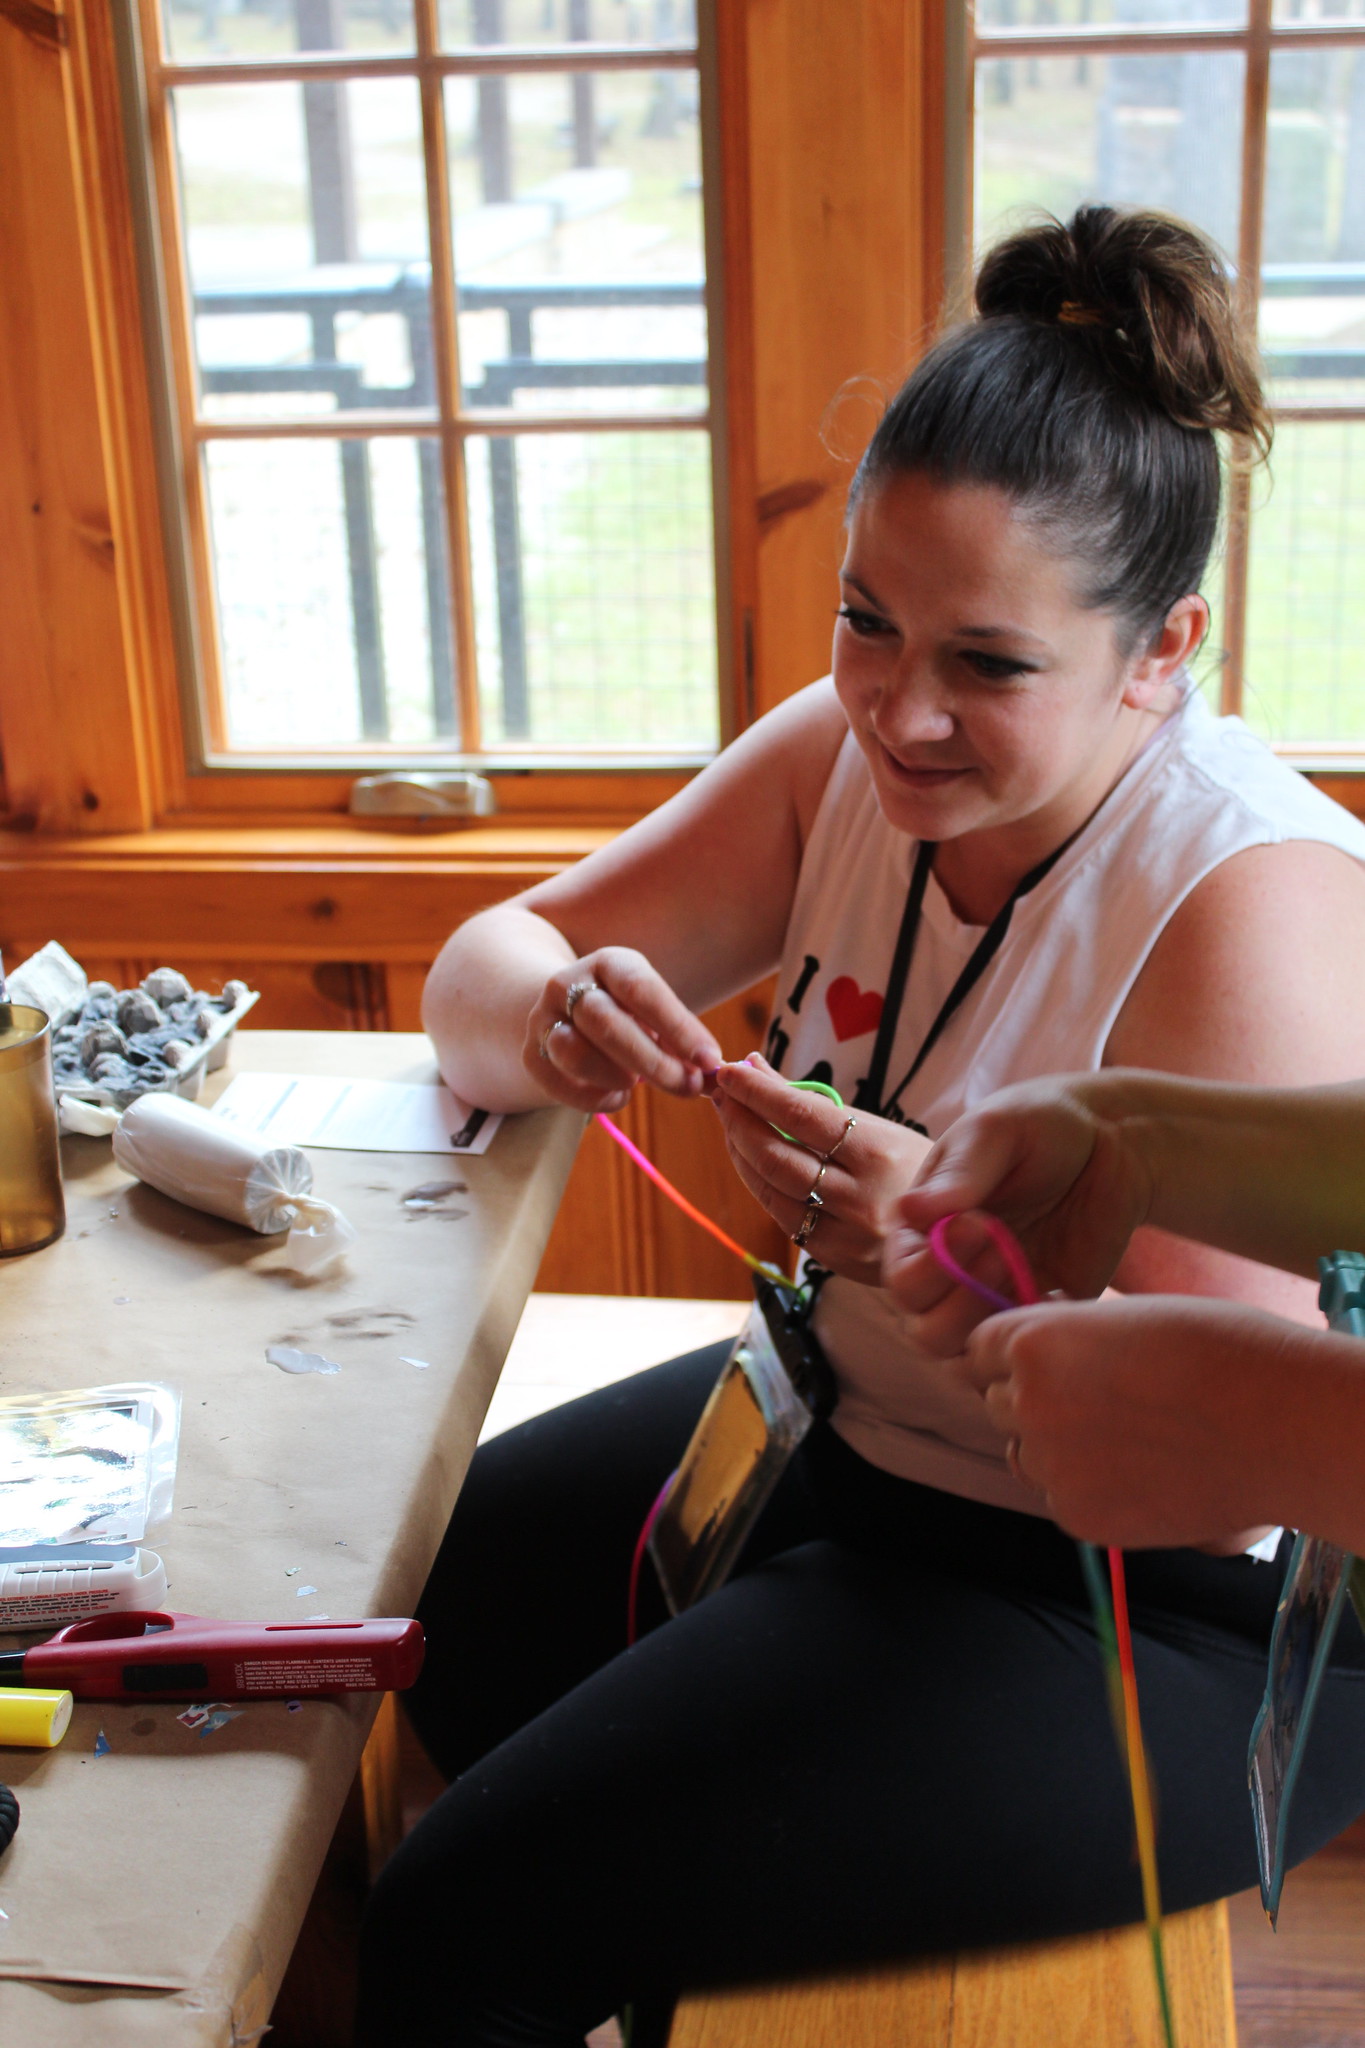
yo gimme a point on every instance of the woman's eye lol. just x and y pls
(996, 668)
(866, 624)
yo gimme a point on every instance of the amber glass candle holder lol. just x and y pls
(32, 1212)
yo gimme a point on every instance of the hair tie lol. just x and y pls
(1072, 313)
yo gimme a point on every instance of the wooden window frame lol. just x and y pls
(826, 128)
(151, 78)
(1258, 39)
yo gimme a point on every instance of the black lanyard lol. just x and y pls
(869, 1095)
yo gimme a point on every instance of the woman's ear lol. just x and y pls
(1174, 647)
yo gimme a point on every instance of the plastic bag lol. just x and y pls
(95, 1464)
(216, 1166)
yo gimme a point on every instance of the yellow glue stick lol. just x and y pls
(31, 1718)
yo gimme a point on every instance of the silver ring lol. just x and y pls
(824, 1167)
(574, 995)
(814, 1211)
(851, 1125)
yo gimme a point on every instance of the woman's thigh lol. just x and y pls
(829, 1762)
(528, 1593)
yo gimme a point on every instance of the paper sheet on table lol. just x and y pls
(355, 1116)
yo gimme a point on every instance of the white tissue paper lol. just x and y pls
(196, 1158)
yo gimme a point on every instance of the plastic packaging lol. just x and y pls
(95, 1464)
(219, 1167)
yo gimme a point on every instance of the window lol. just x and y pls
(435, 311)
(1248, 117)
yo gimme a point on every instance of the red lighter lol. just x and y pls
(136, 1656)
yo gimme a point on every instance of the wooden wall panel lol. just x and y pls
(841, 133)
(72, 722)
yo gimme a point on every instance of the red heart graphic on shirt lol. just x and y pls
(852, 1011)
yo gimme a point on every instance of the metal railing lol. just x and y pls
(328, 292)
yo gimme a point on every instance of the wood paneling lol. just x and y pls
(71, 719)
(839, 280)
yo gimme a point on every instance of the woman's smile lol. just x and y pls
(920, 775)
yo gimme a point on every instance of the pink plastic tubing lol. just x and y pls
(646, 1531)
(1011, 1251)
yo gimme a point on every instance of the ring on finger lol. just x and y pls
(574, 995)
(851, 1125)
(814, 1211)
(815, 1184)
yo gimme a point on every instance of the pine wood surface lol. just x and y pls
(1094, 1992)
(73, 740)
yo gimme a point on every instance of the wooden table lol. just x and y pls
(154, 1893)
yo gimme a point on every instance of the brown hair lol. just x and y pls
(1105, 356)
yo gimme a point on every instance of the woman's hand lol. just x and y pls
(1044, 1159)
(606, 1021)
(1146, 1421)
(871, 1164)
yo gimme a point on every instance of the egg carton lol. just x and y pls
(112, 1045)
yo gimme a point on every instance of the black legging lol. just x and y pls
(887, 1734)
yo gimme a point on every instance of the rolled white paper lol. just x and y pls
(198, 1159)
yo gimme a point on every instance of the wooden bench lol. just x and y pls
(1092, 1992)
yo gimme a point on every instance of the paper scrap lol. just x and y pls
(302, 1592)
(290, 1360)
(355, 1116)
(208, 1718)
(102, 1744)
(291, 1571)
(422, 1364)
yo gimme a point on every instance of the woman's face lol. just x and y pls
(980, 691)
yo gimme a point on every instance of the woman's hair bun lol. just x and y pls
(1151, 296)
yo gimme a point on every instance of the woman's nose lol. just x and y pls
(913, 714)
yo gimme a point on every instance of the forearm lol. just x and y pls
(1307, 1436)
(1272, 1174)
(478, 997)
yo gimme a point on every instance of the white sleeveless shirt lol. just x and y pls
(1203, 789)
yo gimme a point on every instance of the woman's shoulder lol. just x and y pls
(797, 746)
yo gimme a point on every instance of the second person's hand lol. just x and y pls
(1044, 1158)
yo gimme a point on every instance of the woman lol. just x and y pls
(1165, 1420)
(1005, 839)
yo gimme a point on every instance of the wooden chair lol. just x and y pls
(1092, 1992)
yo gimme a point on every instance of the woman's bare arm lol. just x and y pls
(683, 909)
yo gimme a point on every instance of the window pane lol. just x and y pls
(1007, 14)
(466, 22)
(1313, 305)
(331, 589)
(1319, 10)
(200, 29)
(593, 589)
(306, 234)
(578, 241)
(1306, 618)
(1163, 131)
